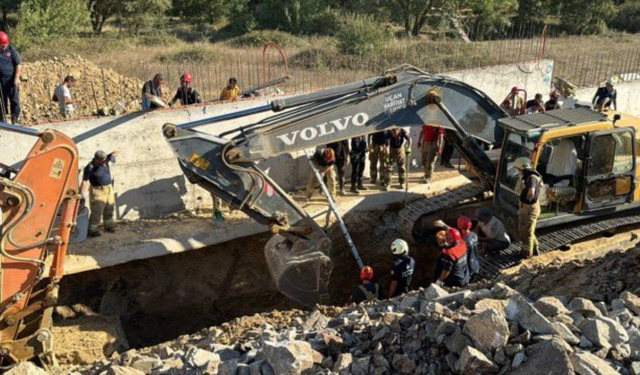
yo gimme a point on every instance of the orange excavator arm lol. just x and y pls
(31, 198)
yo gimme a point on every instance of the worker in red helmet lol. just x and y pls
(323, 160)
(552, 104)
(9, 79)
(470, 238)
(186, 94)
(516, 102)
(367, 290)
(452, 268)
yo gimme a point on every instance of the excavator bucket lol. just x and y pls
(299, 272)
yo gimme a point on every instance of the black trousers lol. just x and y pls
(10, 100)
(357, 170)
(340, 164)
(447, 153)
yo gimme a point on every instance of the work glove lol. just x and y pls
(409, 151)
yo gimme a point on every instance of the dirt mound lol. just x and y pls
(98, 91)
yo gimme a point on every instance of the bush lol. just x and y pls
(295, 16)
(587, 16)
(157, 39)
(361, 35)
(258, 38)
(628, 17)
(194, 53)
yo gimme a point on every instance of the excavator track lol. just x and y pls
(554, 238)
(441, 200)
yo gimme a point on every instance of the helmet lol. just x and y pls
(366, 273)
(610, 81)
(464, 223)
(4, 38)
(399, 247)
(187, 77)
(515, 89)
(453, 236)
(329, 154)
(441, 236)
(522, 163)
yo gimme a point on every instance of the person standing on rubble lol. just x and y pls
(452, 268)
(152, 93)
(492, 233)
(378, 143)
(402, 269)
(9, 78)
(529, 188)
(96, 179)
(323, 161)
(398, 154)
(358, 156)
(430, 142)
(231, 92)
(341, 150)
(367, 290)
(186, 94)
(62, 95)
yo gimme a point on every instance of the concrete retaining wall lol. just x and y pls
(147, 177)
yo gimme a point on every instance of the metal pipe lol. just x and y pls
(225, 117)
(19, 129)
(336, 213)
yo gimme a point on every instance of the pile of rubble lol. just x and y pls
(431, 331)
(98, 91)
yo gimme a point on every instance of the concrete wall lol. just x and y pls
(147, 177)
(627, 96)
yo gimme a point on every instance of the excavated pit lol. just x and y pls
(161, 298)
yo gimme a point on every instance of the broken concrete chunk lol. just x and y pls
(488, 330)
(434, 291)
(547, 355)
(457, 342)
(146, 364)
(518, 360)
(112, 370)
(289, 357)
(200, 358)
(403, 364)
(457, 297)
(585, 307)
(496, 305)
(360, 366)
(604, 332)
(521, 311)
(550, 306)
(343, 362)
(586, 363)
(631, 301)
(29, 368)
(563, 331)
(472, 361)
(316, 321)
(503, 291)
(635, 368)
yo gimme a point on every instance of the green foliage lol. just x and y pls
(241, 19)
(258, 38)
(586, 16)
(159, 38)
(628, 17)
(192, 54)
(201, 11)
(44, 20)
(361, 35)
(295, 16)
(142, 15)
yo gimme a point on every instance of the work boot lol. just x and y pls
(448, 165)
(342, 192)
(217, 216)
(362, 187)
(373, 180)
(110, 229)
(94, 233)
(354, 190)
(385, 187)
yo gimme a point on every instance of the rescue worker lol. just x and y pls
(378, 154)
(430, 142)
(96, 178)
(529, 188)
(552, 104)
(358, 154)
(517, 104)
(323, 160)
(535, 108)
(367, 290)
(536, 102)
(398, 154)
(452, 268)
(492, 233)
(471, 240)
(186, 94)
(62, 95)
(9, 79)
(605, 97)
(151, 92)
(402, 269)
(231, 92)
(341, 150)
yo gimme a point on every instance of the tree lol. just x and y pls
(6, 7)
(587, 16)
(209, 11)
(101, 11)
(43, 20)
(143, 14)
(415, 13)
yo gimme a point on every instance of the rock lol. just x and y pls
(403, 364)
(587, 363)
(503, 291)
(29, 368)
(488, 330)
(289, 357)
(550, 306)
(618, 304)
(500, 357)
(172, 365)
(343, 362)
(585, 307)
(523, 338)
(200, 358)
(604, 332)
(602, 307)
(521, 311)
(472, 361)
(497, 305)
(166, 352)
(146, 364)
(433, 291)
(585, 343)
(243, 369)
(518, 359)
(457, 342)
(410, 302)
(112, 370)
(360, 366)
(65, 312)
(631, 301)
(316, 321)
(635, 368)
(256, 367)
(511, 350)
(548, 355)
(328, 363)
(225, 352)
(380, 361)
(457, 297)
(228, 367)
(563, 331)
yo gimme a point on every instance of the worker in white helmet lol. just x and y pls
(402, 270)
(606, 97)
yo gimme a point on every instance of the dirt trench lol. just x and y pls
(161, 298)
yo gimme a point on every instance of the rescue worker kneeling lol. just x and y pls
(367, 290)
(452, 268)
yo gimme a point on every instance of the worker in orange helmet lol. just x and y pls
(452, 268)
(9, 79)
(323, 160)
(186, 94)
(367, 290)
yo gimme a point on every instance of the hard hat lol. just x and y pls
(366, 273)
(453, 236)
(187, 77)
(522, 163)
(464, 223)
(514, 89)
(442, 235)
(329, 155)
(4, 38)
(399, 247)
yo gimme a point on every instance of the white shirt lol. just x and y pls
(495, 230)
(62, 92)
